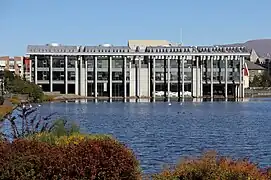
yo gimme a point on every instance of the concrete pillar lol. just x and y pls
(36, 70)
(201, 76)
(179, 79)
(149, 78)
(226, 77)
(243, 87)
(80, 83)
(51, 73)
(168, 79)
(110, 78)
(76, 77)
(153, 79)
(165, 77)
(197, 77)
(212, 77)
(240, 76)
(86, 77)
(131, 80)
(95, 78)
(66, 74)
(30, 70)
(183, 58)
(124, 79)
(138, 77)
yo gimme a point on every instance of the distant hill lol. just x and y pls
(261, 46)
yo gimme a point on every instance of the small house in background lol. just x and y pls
(254, 69)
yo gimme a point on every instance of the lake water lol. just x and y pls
(161, 134)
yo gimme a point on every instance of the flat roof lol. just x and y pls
(125, 50)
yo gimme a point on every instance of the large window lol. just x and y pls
(117, 76)
(117, 90)
(102, 63)
(43, 75)
(58, 75)
(71, 75)
(117, 63)
(71, 61)
(43, 61)
(102, 76)
(90, 75)
(58, 62)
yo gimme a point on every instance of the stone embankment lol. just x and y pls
(258, 92)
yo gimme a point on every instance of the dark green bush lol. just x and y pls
(15, 84)
(90, 159)
(2, 99)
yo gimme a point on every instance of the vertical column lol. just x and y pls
(80, 83)
(110, 78)
(201, 76)
(51, 73)
(165, 77)
(226, 77)
(95, 78)
(240, 76)
(183, 78)
(179, 79)
(197, 76)
(149, 78)
(76, 76)
(86, 77)
(168, 79)
(153, 79)
(66, 74)
(130, 78)
(212, 77)
(36, 70)
(30, 70)
(138, 77)
(124, 79)
(243, 87)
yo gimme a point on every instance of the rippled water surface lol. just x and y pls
(161, 134)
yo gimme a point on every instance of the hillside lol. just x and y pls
(261, 46)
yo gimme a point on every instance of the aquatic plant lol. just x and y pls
(25, 122)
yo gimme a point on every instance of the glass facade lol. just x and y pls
(161, 72)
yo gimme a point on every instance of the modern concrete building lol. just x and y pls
(139, 71)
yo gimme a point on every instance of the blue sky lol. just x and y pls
(92, 22)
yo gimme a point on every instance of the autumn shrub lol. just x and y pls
(89, 159)
(212, 167)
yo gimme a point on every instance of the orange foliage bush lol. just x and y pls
(90, 159)
(212, 167)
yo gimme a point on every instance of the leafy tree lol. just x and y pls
(263, 80)
(14, 84)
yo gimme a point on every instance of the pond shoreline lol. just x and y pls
(63, 98)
